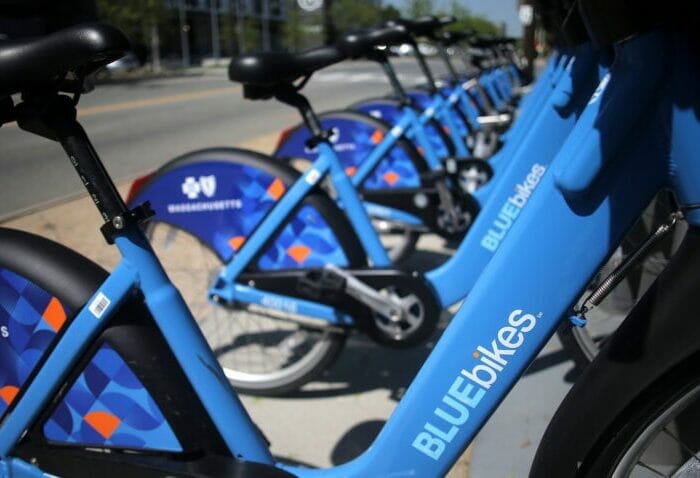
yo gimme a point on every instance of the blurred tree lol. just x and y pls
(416, 8)
(297, 31)
(252, 34)
(141, 20)
(467, 21)
(353, 14)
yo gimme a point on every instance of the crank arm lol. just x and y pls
(366, 295)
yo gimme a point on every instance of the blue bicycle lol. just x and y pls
(84, 353)
(278, 273)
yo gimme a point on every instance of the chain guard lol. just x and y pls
(314, 285)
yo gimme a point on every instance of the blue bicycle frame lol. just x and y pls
(611, 165)
(529, 159)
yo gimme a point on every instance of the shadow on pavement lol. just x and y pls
(364, 366)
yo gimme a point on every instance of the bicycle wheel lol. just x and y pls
(260, 353)
(399, 242)
(658, 433)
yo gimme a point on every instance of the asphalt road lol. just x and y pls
(138, 125)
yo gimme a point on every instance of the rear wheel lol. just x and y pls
(398, 242)
(260, 353)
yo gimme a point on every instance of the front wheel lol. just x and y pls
(658, 434)
(260, 353)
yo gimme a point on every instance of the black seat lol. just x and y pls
(35, 64)
(452, 38)
(424, 26)
(268, 69)
(362, 42)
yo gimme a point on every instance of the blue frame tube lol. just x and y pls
(250, 295)
(477, 361)
(185, 339)
(291, 199)
(377, 154)
(445, 114)
(354, 208)
(507, 200)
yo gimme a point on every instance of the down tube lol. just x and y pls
(192, 352)
(518, 181)
(513, 310)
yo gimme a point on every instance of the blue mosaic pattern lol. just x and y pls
(29, 320)
(423, 100)
(109, 407)
(307, 230)
(353, 141)
(392, 114)
(245, 195)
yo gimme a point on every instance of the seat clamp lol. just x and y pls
(323, 137)
(138, 215)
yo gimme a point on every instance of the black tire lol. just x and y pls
(672, 401)
(648, 362)
(58, 270)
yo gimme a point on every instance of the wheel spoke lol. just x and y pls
(650, 468)
(685, 447)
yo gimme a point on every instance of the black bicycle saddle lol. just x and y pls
(363, 42)
(43, 63)
(424, 26)
(277, 68)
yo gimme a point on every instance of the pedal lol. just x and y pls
(364, 293)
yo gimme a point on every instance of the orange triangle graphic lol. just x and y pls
(299, 253)
(8, 393)
(54, 314)
(236, 242)
(391, 177)
(276, 189)
(104, 423)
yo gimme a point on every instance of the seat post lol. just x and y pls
(55, 118)
(380, 57)
(442, 49)
(432, 87)
(290, 95)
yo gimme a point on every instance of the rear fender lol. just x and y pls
(390, 111)
(354, 136)
(221, 195)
